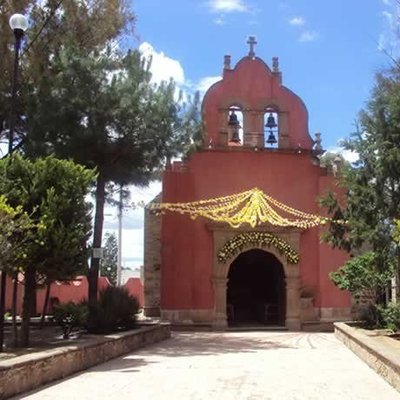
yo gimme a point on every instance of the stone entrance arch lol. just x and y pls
(220, 273)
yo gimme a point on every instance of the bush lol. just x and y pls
(360, 275)
(115, 310)
(389, 316)
(69, 316)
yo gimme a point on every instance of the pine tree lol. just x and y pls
(372, 201)
(108, 266)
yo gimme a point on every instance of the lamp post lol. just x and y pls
(119, 258)
(19, 24)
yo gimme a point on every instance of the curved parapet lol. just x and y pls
(255, 90)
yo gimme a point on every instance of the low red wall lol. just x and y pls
(135, 287)
(63, 292)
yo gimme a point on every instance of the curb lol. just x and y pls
(376, 351)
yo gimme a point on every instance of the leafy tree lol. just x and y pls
(52, 192)
(360, 277)
(110, 256)
(367, 284)
(372, 201)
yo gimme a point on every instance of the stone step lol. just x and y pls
(317, 326)
(251, 327)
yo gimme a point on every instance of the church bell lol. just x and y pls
(271, 123)
(271, 138)
(234, 126)
(233, 120)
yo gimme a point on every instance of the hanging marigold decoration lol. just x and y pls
(259, 239)
(252, 207)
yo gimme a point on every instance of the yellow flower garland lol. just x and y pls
(252, 207)
(260, 239)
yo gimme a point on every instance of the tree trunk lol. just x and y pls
(14, 310)
(29, 299)
(46, 304)
(97, 236)
(396, 297)
(3, 282)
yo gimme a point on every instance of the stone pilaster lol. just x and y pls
(220, 320)
(283, 128)
(152, 262)
(292, 298)
(253, 128)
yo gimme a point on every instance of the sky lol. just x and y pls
(329, 52)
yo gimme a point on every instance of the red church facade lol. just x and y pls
(185, 278)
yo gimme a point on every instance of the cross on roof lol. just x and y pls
(251, 41)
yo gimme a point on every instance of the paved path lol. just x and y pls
(234, 366)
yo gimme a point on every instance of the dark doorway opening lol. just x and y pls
(256, 290)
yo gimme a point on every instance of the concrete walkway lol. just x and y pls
(239, 365)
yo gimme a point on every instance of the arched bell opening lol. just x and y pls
(271, 127)
(256, 290)
(235, 126)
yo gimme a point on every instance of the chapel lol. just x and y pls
(205, 272)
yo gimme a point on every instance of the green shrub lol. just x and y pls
(389, 316)
(115, 310)
(69, 316)
(360, 275)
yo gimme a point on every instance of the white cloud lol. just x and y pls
(228, 6)
(388, 38)
(386, 2)
(348, 155)
(204, 84)
(297, 21)
(308, 36)
(163, 67)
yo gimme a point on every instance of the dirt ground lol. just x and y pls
(40, 339)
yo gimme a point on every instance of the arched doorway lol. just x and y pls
(256, 290)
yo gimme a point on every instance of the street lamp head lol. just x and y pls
(19, 22)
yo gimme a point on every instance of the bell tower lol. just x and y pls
(251, 108)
